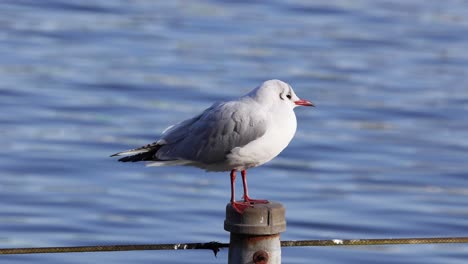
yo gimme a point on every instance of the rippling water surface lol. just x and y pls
(384, 153)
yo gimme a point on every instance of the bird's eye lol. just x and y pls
(288, 96)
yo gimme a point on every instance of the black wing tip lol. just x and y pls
(144, 156)
(129, 158)
(132, 158)
(147, 156)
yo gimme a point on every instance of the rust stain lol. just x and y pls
(261, 238)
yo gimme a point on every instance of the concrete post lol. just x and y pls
(255, 234)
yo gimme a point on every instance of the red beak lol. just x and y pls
(304, 102)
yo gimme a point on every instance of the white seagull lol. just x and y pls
(229, 136)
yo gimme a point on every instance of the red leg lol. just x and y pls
(247, 199)
(244, 183)
(233, 180)
(238, 206)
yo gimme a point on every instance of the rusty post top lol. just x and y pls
(260, 219)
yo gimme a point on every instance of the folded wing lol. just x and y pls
(206, 138)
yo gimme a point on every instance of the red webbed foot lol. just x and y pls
(249, 200)
(240, 206)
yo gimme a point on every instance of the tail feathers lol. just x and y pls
(144, 153)
(168, 163)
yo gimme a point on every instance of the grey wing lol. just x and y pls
(209, 137)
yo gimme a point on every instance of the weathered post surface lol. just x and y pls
(255, 234)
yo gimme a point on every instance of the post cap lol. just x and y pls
(260, 219)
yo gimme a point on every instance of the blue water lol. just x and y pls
(384, 153)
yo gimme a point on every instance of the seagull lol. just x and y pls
(229, 136)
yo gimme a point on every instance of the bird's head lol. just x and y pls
(277, 92)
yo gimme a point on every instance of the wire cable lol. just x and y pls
(371, 242)
(215, 246)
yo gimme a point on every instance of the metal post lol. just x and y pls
(255, 234)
